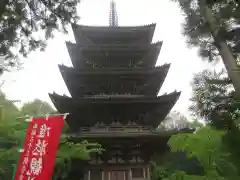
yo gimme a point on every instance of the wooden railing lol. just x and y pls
(111, 129)
(113, 96)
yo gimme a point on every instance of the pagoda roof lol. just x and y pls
(147, 143)
(115, 100)
(118, 47)
(128, 107)
(145, 136)
(113, 71)
(116, 52)
(140, 145)
(109, 35)
(81, 82)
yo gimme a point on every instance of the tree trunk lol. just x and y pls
(231, 66)
(228, 59)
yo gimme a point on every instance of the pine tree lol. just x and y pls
(212, 97)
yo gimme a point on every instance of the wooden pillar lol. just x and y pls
(144, 172)
(89, 174)
(109, 175)
(130, 173)
(102, 175)
(148, 172)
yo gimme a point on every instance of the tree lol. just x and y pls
(22, 20)
(212, 97)
(165, 166)
(206, 145)
(209, 150)
(213, 101)
(37, 107)
(8, 111)
(213, 26)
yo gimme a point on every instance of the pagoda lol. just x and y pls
(114, 86)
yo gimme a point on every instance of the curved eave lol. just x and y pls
(163, 104)
(164, 75)
(144, 136)
(82, 32)
(111, 71)
(94, 47)
(70, 102)
(148, 29)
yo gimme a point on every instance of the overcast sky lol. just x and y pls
(41, 75)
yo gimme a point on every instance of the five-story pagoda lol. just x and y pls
(114, 86)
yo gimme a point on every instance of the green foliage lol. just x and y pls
(10, 134)
(20, 20)
(80, 150)
(214, 150)
(209, 142)
(8, 158)
(172, 163)
(162, 173)
(68, 151)
(231, 142)
(210, 152)
(8, 110)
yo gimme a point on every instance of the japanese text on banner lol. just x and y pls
(41, 144)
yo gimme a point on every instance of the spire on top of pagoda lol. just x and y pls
(113, 18)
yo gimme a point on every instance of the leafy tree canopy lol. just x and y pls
(8, 110)
(209, 151)
(206, 145)
(21, 21)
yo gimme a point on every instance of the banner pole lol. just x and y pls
(43, 115)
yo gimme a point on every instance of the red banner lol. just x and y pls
(41, 145)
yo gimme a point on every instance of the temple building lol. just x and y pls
(114, 86)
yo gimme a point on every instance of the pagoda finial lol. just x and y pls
(113, 18)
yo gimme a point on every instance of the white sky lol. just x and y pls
(41, 75)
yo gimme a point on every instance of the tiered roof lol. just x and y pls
(114, 78)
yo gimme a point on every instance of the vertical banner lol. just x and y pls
(40, 147)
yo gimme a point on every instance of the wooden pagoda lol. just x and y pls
(114, 86)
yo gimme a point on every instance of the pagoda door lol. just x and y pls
(118, 175)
